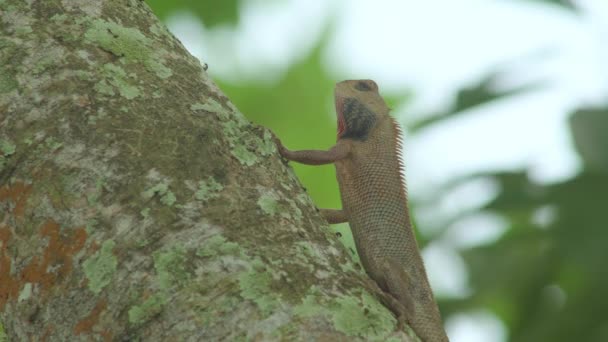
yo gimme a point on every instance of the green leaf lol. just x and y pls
(478, 94)
(212, 13)
(567, 4)
(590, 133)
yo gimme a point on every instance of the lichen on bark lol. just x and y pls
(137, 202)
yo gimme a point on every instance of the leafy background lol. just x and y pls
(542, 274)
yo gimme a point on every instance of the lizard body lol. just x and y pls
(374, 200)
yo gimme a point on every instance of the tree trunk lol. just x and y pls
(139, 204)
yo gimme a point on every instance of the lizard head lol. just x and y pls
(358, 107)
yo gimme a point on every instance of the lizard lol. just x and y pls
(374, 203)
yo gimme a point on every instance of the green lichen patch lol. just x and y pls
(91, 225)
(304, 199)
(104, 88)
(310, 305)
(208, 189)
(145, 213)
(168, 199)
(6, 148)
(348, 267)
(362, 316)
(3, 337)
(83, 75)
(101, 114)
(269, 203)
(308, 250)
(210, 316)
(358, 315)
(8, 47)
(256, 282)
(151, 307)
(128, 43)
(26, 292)
(115, 77)
(23, 30)
(52, 144)
(162, 190)
(267, 145)
(100, 267)
(142, 243)
(93, 196)
(8, 82)
(171, 267)
(209, 106)
(293, 209)
(218, 245)
(245, 145)
(59, 18)
(255, 286)
(43, 64)
(245, 156)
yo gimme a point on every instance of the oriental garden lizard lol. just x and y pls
(374, 203)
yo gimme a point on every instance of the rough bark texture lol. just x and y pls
(138, 203)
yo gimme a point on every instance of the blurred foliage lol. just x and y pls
(480, 93)
(590, 136)
(545, 277)
(211, 12)
(567, 4)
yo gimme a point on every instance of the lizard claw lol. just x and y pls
(280, 148)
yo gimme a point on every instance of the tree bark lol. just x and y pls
(139, 204)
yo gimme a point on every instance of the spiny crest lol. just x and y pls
(398, 141)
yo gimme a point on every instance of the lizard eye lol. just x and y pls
(363, 86)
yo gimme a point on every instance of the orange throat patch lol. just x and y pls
(341, 123)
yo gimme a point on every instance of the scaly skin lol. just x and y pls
(374, 202)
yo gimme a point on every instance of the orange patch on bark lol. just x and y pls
(8, 286)
(107, 336)
(46, 270)
(18, 193)
(47, 332)
(86, 325)
(58, 254)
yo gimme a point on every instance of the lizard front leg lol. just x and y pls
(316, 157)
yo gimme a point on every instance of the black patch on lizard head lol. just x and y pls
(363, 86)
(358, 119)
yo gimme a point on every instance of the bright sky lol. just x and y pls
(436, 47)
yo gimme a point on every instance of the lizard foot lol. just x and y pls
(283, 152)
